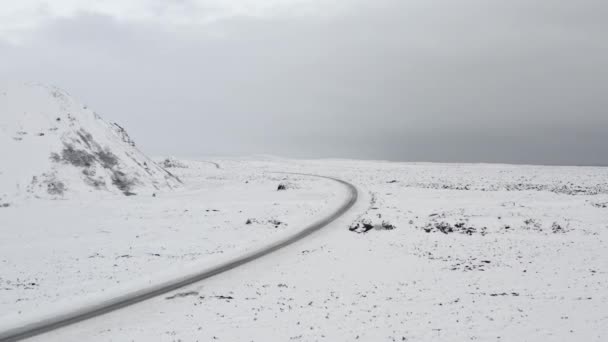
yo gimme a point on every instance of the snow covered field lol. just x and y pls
(431, 252)
(63, 252)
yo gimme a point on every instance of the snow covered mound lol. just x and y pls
(52, 146)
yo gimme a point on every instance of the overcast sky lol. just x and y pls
(516, 81)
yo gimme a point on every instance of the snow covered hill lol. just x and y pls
(52, 146)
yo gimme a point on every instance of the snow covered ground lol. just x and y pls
(431, 252)
(59, 253)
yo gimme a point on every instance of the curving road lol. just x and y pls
(217, 165)
(39, 327)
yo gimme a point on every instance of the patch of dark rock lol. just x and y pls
(514, 294)
(276, 223)
(387, 225)
(556, 228)
(5, 205)
(443, 227)
(252, 221)
(286, 185)
(532, 224)
(447, 228)
(567, 189)
(464, 265)
(225, 297)
(40, 134)
(393, 181)
(55, 188)
(183, 294)
(171, 163)
(361, 226)
(470, 231)
(122, 133)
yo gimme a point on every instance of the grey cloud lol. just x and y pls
(472, 80)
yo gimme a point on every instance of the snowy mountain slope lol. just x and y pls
(52, 146)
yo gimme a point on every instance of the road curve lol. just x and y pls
(31, 329)
(217, 165)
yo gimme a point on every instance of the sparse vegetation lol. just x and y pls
(107, 158)
(78, 158)
(600, 205)
(123, 182)
(55, 187)
(447, 228)
(171, 163)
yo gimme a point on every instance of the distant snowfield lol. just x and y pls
(431, 252)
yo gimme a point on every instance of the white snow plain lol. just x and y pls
(478, 252)
(62, 254)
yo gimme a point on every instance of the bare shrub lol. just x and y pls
(79, 158)
(55, 187)
(107, 158)
(123, 182)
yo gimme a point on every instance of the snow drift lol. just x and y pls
(52, 146)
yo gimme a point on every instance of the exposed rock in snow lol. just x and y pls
(173, 163)
(285, 185)
(53, 146)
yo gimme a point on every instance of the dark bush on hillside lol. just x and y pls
(107, 158)
(79, 158)
(123, 182)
